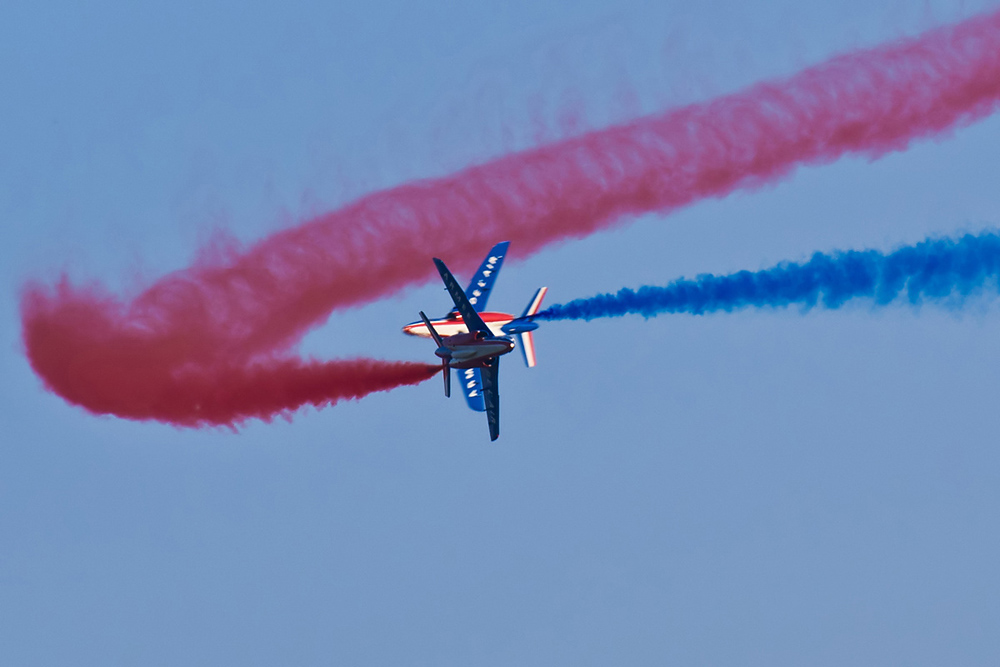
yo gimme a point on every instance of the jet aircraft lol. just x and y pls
(477, 349)
(499, 324)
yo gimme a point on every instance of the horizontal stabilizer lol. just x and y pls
(527, 345)
(536, 303)
(431, 329)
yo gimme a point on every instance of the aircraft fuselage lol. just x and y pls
(472, 350)
(454, 324)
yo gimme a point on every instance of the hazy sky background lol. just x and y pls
(757, 488)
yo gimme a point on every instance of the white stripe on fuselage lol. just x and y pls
(451, 327)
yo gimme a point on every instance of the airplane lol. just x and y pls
(499, 324)
(477, 349)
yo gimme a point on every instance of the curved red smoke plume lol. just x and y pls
(211, 344)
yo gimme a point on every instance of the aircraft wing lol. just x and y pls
(472, 386)
(472, 319)
(481, 284)
(491, 396)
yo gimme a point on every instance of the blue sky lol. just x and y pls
(749, 488)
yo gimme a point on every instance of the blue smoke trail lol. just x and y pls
(932, 270)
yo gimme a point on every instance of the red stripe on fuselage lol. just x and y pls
(449, 326)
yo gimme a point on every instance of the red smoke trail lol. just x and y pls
(207, 326)
(156, 358)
